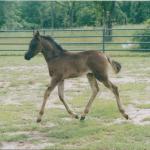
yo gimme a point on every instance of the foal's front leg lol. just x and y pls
(61, 96)
(53, 84)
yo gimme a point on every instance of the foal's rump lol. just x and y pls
(98, 63)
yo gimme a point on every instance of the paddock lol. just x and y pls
(22, 85)
(21, 95)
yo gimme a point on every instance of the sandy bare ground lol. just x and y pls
(136, 115)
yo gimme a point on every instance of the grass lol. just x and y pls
(101, 137)
(13, 138)
(22, 85)
(90, 134)
(144, 106)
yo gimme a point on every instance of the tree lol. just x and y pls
(2, 17)
(85, 16)
(31, 13)
(62, 14)
(136, 12)
(10, 14)
(69, 9)
(109, 12)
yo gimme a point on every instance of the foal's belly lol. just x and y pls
(75, 75)
(76, 72)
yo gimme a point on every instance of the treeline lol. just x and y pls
(67, 14)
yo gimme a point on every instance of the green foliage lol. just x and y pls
(136, 11)
(61, 14)
(10, 15)
(2, 20)
(87, 16)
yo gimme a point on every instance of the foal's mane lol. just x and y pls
(51, 40)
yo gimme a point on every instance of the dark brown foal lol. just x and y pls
(63, 65)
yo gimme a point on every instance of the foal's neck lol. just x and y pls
(50, 51)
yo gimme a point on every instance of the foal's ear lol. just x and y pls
(36, 35)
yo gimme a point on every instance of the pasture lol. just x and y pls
(22, 85)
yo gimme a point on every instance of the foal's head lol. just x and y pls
(35, 46)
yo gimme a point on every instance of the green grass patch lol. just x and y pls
(143, 106)
(13, 138)
(92, 135)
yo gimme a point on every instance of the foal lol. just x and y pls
(63, 65)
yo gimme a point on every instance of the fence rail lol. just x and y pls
(76, 39)
(94, 29)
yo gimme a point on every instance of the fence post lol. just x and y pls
(44, 32)
(103, 40)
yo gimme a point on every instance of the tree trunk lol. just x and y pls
(52, 14)
(108, 30)
(71, 13)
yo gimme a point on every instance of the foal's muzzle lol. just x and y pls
(27, 56)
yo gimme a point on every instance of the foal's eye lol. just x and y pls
(33, 45)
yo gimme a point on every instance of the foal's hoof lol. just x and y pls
(76, 116)
(126, 116)
(38, 120)
(82, 118)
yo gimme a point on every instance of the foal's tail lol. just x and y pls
(115, 65)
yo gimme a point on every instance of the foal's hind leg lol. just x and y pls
(53, 84)
(95, 89)
(114, 89)
(61, 96)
